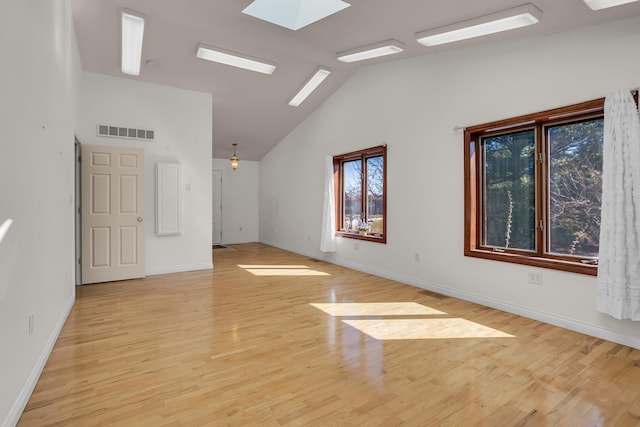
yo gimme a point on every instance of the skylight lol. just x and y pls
(294, 14)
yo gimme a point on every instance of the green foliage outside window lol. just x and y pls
(575, 187)
(509, 201)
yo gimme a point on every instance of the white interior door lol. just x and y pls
(217, 207)
(112, 213)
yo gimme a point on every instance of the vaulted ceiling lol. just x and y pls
(251, 109)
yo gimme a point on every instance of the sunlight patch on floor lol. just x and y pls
(282, 270)
(251, 266)
(377, 309)
(406, 329)
(414, 329)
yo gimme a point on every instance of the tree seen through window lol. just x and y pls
(533, 188)
(361, 194)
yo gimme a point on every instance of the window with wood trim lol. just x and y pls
(533, 187)
(361, 194)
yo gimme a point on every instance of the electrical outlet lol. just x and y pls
(308, 236)
(32, 318)
(356, 245)
(535, 278)
(416, 257)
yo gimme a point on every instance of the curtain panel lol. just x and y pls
(328, 236)
(618, 283)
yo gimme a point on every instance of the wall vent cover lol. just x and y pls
(122, 132)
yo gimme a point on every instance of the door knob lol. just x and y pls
(140, 219)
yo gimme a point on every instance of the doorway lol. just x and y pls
(111, 213)
(217, 207)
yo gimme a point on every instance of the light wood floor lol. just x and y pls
(244, 346)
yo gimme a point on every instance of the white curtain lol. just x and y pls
(328, 237)
(619, 257)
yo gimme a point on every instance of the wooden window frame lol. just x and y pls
(472, 182)
(362, 155)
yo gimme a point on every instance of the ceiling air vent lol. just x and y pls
(129, 133)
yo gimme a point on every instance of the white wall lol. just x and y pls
(38, 86)
(240, 208)
(182, 121)
(413, 106)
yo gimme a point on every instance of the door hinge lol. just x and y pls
(541, 224)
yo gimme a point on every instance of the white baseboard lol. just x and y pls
(18, 406)
(179, 268)
(552, 319)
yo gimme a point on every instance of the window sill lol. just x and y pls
(535, 261)
(358, 236)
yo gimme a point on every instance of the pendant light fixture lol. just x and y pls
(234, 159)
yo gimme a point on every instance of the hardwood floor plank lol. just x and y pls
(243, 345)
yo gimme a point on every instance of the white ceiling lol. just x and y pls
(252, 109)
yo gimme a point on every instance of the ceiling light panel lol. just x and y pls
(505, 20)
(132, 35)
(234, 59)
(310, 85)
(294, 14)
(603, 4)
(388, 47)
